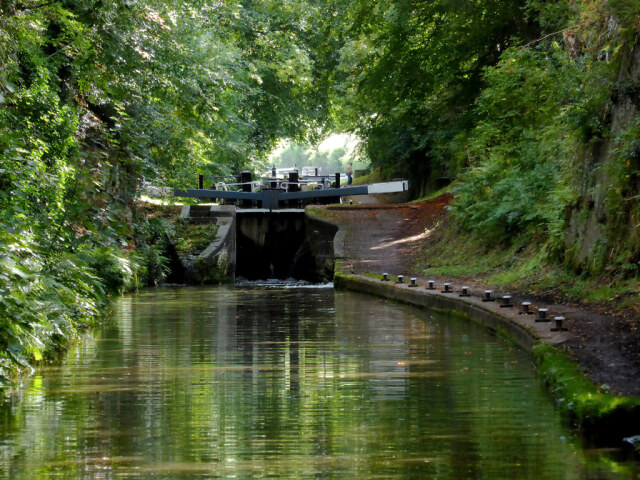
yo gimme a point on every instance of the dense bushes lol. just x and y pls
(152, 236)
(45, 300)
(522, 151)
(552, 153)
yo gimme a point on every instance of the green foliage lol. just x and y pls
(208, 274)
(44, 301)
(545, 109)
(410, 73)
(96, 96)
(192, 239)
(293, 156)
(152, 266)
(551, 16)
(520, 178)
(519, 96)
(623, 204)
(112, 267)
(153, 238)
(627, 12)
(329, 161)
(525, 265)
(459, 253)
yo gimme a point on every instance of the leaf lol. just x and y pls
(17, 270)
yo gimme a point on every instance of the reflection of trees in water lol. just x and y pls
(281, 324)
(297, 381)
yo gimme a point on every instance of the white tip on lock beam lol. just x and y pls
(389, 187)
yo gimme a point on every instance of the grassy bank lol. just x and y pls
(524, 265)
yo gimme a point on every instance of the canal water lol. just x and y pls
(275, 382)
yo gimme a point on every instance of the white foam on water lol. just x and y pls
(280, 283)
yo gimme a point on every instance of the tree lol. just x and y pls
(293, 156)
(410, 73)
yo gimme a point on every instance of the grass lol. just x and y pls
(524, 266)
(318, 212)
(456, 253)
(435, 194)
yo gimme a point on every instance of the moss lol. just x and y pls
(338, 271)
(601, 416)
(373, 275)
(207, 272)
(319, 213)
(377, 276)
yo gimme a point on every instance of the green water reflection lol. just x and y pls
(286, 383)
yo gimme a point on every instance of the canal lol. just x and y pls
(275, 382)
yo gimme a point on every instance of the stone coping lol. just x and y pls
(521, 328)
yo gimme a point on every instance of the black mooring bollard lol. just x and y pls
(487, 296)
(542, 315)
(465, 292)
(413, 283)
(385, 277)
(400, 278)
(559, 327)
(526, 308)
(506, 302)
(431, 285)
(447, 288)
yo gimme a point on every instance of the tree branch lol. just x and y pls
(551, 34)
